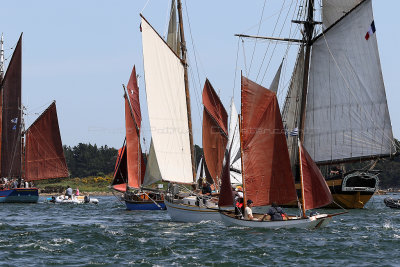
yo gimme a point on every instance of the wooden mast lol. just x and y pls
(242, 161)
(308, 34)
(183, 57)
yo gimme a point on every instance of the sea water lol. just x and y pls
(106, 234)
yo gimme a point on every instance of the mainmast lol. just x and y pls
(1, 58)
(183, 57)
(308, 35)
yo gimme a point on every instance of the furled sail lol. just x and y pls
(347, 115)
(316, 192)
(166, 98)
(234, 147)
(11, 117)
(121, 171)
(333, 10)
(267, 173)
(132, 126)
(44, 155)
(275, 82)
(152, 173)
(215, 132)
(291, 109)
(173, 37)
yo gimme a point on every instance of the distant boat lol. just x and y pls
(336, 102)
(26, 155)
(267, 176)
(131, 174)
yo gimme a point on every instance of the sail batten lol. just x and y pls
(44, 155)
(347, 114)
(165, 90)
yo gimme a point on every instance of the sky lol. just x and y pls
(79, 53)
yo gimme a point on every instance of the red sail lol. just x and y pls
(215, 134)
(44, 155)
(133, 92)
(267, 174)
(226, 196)
(132, 126)
(316, 192)
(11, 122)
(120, 172)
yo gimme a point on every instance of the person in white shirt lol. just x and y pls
(248, 213)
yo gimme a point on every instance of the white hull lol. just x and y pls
(312, 222)
(189, 213)
(74, 200)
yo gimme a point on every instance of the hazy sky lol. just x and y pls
(80, 52)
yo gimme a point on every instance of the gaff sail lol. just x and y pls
(267, 174)
(166, 99)
(121, 172)
(333, 10)
(11, 116)
(44, 155)
(215, 133)
(347, 115)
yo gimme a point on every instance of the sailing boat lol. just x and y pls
(336, 102)
(32, 154)
(131, 174)
(266, 171)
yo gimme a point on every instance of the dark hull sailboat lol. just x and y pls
(30, 155)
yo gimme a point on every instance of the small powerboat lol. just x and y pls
(73, 200)
(392, 203)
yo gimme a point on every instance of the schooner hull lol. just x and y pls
(188, 213)
(145, 205)
(313, 222)
(19, 195)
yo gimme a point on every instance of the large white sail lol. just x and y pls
(333, 10)
(234, 145)
(291, 109)
(347, 114)
(166, 101)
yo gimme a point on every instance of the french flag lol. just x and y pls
(371, 31)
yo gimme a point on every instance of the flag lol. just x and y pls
(15, 120)
(14, 127)
(294, 132)
(371, 31)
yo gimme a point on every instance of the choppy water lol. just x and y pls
(107, 234)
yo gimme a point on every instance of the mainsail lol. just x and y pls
(121, 171)
(44, 155)
(132, 125)
(215, 132)
(11, 116)
(347, 115)
(267, 174)
(167, 107)
(333, 10)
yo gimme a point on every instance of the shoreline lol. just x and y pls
(81, 193)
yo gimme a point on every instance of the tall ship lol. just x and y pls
(336, 101)
(30, 154)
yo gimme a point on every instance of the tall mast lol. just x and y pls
(1, 58)
(308, 35)
(183, 56)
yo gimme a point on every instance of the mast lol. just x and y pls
(308, 34)
(242, 161)
(1, 58)
(183, 57)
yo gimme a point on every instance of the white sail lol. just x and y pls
(333, 10)
(200, 170)
(234, 145)
(152, 173)
(347, 114)
(166, 101)
(291, 109)
(275, 82)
